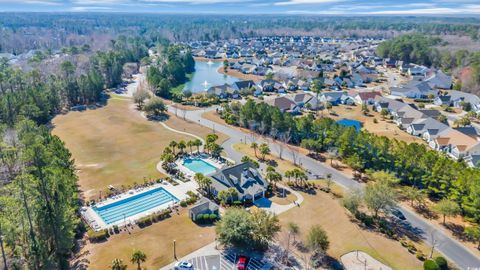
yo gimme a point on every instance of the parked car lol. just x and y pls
(242, 263)
(183, 266)
(398, 214)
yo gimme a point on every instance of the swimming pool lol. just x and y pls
(350, 123)
(199, 165)
(134, 205)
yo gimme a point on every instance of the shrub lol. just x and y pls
(441, 262)
(94, 236)
(191, 200)
(237, 203)
(420, 255)
(213, 217)
(183, 203)
(375, 121)
(144, 221)
(404, 242)
(115, 229)
(200, 218)
(192, 194)
(411, 247)
(430, 265)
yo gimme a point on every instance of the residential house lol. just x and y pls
(439, 80)
(367, 97)
(239, 85)
(284, 103)
(306, 100)
(223, 91)
(456, 98)
(335, 97)
(414, 89)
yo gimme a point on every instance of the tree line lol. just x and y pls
(420, 49)
(170, 69)
(76, 29)
(414, 164)
(37, 96)
(38, 184)
(39, 199)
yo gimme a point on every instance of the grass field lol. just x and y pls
(115, 145)
(156, 241)
(343, 234)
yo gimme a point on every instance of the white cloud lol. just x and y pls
(89, 8)
(39, 2)
(306, 2)
(196, 1)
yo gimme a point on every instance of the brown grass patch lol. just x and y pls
(115, 145)
(156, 241)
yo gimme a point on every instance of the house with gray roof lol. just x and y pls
(439, 80)
(202, 207)
(243, 177)
(420, 126)
(414, 89)
(456, 98)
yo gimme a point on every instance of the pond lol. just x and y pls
(350, 123)
(206, 75)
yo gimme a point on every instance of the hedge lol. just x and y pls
(144, 221)
(430, 265)
(99, 236)
(441, 262)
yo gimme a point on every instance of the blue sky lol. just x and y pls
(325, 7)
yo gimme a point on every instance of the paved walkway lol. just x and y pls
(268, 205)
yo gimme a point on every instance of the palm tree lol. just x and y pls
(138, 257)
(254, 146)
(190, 145)
(207, 184)
(118, 264)
(273, 177)
(172, 145)
(199, 179)
(182, 145)
(198, 143)
(264, 150)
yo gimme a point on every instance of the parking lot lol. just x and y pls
(221, 262)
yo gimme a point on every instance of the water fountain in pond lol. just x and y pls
(209, 62)
(205, 85)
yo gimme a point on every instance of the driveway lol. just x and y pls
(451, 248)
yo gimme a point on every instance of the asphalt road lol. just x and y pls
(449, 247)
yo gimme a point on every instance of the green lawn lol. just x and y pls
(179, 88)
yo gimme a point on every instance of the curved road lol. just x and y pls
(451, 248)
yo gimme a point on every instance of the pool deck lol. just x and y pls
(179, 191)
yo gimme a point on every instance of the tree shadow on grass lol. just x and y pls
(158, 118)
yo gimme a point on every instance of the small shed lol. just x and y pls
(203, 206)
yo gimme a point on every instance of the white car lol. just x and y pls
(183, 266)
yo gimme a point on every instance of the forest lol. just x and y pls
(38, 184)
(37, 96)
(415, 164)
(27, 31)
(170, 69)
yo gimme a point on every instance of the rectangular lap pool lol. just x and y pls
(134, 205)
(199, 165)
